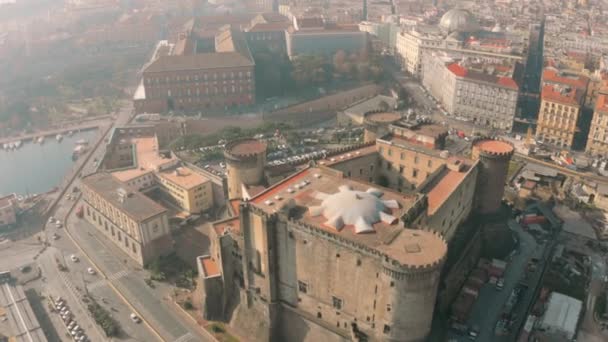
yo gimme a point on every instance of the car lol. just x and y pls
(500, 284)
(91, 271)
(58, 224)
(74, 258)
(55, 236)
(25, 269)
(51, 219)
(135, 318)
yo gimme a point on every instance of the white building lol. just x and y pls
(484, 93)
(561, 317)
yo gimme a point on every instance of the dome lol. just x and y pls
(458, 20)
(362, 209)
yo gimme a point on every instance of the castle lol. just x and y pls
(352, 246)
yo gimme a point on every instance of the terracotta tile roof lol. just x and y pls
(508, 82)
(235, 204)
(443, 189)
(602, 103)
(551, 75)
(233, 224)
(457, 69)
(461, 71)
(494, 146)
(574, 97)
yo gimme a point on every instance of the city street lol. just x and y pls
(128, 278)
(118, 283)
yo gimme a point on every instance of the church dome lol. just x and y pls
(458, 20)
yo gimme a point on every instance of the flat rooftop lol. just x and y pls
(147, 159)
(246, 147)
(383, 117)
(494, 146)
(357, 211)
(184, 177)
(347, 156)
(134, 204)
(209, 266)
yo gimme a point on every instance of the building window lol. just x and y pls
(414, 173)
(429, 163)
(389, 152)
(302, 287)
(387, 329)
(133, 248)
(402, 156)
(416, 159)
(336, 302)
(119, 237)
(401, 168)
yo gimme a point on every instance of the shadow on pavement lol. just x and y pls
(37, 304)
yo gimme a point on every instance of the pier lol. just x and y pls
(50, 133)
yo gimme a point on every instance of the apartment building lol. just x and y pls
(485, 93)
(315, 36)
(129, 219)
(410, 46)
(597, 142)
(559, 114)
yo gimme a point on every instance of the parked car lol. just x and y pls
(135, 318)
(74, 258)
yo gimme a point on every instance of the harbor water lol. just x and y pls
(36, 168)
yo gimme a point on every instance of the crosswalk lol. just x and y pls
(185, 338)
(112, 277)
(68, 283)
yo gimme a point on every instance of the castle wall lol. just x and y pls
(455, 277)
(299, 327)
(364, 167)
(336, 285)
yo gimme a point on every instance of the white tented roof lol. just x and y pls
(362, 209)
(562, 314)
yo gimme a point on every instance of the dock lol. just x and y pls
(50, 133)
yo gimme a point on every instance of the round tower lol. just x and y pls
(376, 124)
(245, 161)
(494, 157)
(414, 280)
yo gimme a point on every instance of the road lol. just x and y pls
(489, 305)
(120, 283)
(427, 106)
